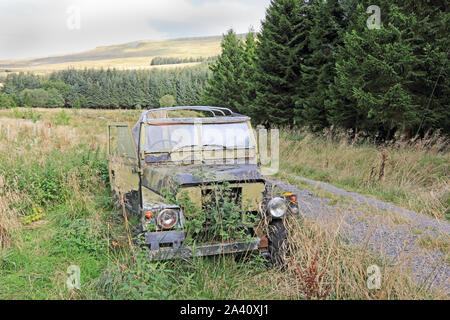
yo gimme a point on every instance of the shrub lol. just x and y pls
(55, 99)
(6, 102)
(167, 101)
(33, 98)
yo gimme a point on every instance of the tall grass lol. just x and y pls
(412, 173)
(61, 170)
(340, 268)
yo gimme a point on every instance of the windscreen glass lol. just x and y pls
(167, 138)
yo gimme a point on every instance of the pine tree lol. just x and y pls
(283, 43)
(370, 91)
(223, 89)
(430, 77)
(318, 69)
(247, 78)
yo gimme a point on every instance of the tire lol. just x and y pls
(278, 243)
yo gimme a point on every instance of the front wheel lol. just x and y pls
(278, 243)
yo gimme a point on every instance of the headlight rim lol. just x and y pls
(271, 204)
(165, 211)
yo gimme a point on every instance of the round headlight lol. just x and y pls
(167, 218)
(277, 207)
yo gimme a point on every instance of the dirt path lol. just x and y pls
(416, 241)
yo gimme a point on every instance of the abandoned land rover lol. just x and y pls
(192, 177)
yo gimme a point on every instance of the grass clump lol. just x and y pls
(412, 173)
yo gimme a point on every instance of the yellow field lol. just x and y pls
(128, 56)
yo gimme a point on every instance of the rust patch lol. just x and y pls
(263, 243)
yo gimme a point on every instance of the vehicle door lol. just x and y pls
(123, 164)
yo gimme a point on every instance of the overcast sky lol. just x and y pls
(34, 28)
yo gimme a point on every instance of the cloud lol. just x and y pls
(31, 28)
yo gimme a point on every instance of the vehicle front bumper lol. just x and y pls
(175, 239)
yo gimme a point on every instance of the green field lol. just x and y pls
(56, 210)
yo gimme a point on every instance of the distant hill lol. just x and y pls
(132, 55)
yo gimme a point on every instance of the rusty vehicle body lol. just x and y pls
(165, 156)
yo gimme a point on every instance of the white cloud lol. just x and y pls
(37, 28)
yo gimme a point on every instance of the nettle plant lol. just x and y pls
(223, 217)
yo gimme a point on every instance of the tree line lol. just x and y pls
(109, 88)
(157, 61)
(327, 63)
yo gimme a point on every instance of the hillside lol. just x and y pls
(132, 55)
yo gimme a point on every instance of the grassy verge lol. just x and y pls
(414, 174)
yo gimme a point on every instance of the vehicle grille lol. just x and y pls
(213, 198)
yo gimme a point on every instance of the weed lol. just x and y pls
(311, 280)
(62, 118)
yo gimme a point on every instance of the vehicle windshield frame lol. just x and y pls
(198, 141)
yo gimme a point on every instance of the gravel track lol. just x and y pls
(388, 230)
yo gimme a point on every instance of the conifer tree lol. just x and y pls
(283, 43)
(223, 88)
(370, 91)
(429, 81)
(318, 69)
(246, 81)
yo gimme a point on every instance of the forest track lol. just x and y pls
(396, 233)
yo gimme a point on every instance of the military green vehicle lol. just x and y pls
(195, 186)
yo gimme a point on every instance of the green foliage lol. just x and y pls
(6, 102)
(47, 183)
(55, 99)
(157, 61)
(316, 64)
(77, 104)
(62, 88)
(223, 88)
(283, 43)
(370, 91)
(34, 98)
(50, 98)
(167, 101)
(62, 118)
(107, 88)
(246, 81)
(77, 235)
(222, 217)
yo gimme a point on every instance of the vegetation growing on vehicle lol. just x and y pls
(221, 219)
